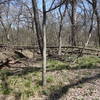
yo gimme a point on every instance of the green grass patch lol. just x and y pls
(24, 86)
(88, 62)
(50, 79)
(56, 65)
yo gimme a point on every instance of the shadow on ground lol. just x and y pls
(26, 70)
(21, 71)
(57, 94)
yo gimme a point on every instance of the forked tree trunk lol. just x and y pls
(41, 35)
(94, 6)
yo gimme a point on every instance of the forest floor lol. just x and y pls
(78, 81)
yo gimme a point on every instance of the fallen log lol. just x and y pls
(4, 63)
(78, 47)
(24, 54)
(21, 47)
(20, 54)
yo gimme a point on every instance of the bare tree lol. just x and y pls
(95, 10)
(41, 34)
(73, 17)
(37, 25)
(62, 15)
(6, 26)
(44, 42)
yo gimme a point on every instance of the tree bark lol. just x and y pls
(62, 15)
(73, 4)
(44, 43)
(38, 26)
(98, 25)
(94, 6)
(60, 39)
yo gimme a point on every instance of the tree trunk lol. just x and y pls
(60, 39)
(94, 6)
(44, 43)
(98, 26)
(62, 15)
(73, 42)
(38, 26)
(60, 45)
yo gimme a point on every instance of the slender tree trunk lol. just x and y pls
(62, 15)
(60, 39)
(44, 56)
(98, 26)
(6, 32)
(73, 42)
(94, 6)
(87, 42)
(98, 30)
(44, 43)
(38, 26)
